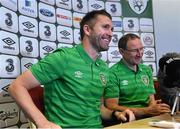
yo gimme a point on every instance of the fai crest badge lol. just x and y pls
(138, 6)
(145, 79)
(102, 78)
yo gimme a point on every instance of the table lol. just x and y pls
(143, 123)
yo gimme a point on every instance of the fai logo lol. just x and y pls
(102, 79)
(138, 6)
(145, 79)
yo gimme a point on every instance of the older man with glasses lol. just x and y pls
(132, 82)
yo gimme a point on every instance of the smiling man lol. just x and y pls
(132, 81)
(74, 80)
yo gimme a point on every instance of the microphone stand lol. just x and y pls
(176, 102)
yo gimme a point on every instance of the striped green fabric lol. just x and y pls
(74, 84)
(133, 88)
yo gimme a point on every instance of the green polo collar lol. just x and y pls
(124, 65)
(85, 56)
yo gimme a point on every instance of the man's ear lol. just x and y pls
(87, 29)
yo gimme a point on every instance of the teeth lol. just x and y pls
(106, 40)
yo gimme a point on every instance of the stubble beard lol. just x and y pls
(98, 43)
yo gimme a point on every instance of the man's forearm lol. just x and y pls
(105, 112)
(137, 111)
(23, 99)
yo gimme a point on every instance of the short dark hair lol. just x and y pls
(124, 39)
(89, 17)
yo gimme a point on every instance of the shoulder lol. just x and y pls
(116, 70)
(144, 67)
(64, 49)
(117, 67)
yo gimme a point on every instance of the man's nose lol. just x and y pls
(140, 52)
(110, 33)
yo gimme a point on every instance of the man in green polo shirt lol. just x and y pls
(133, 81)
(74, 80)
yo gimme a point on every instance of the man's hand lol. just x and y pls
(158, 108)
(125, 116)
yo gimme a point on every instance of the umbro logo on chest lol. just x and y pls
(78, 74)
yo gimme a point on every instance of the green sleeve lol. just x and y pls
(112, 89)
(50, 67)
(151, 82)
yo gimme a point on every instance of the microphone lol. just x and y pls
(171, 69)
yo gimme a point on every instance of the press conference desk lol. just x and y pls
(143, 123)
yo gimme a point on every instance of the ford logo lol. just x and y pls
(46, 12)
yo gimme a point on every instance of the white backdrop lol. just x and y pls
(166, 26)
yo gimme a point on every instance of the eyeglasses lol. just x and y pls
(136, 50)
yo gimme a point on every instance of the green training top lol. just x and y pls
(132, 88)
(74, 85)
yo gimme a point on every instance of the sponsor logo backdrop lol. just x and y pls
(31, 29)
